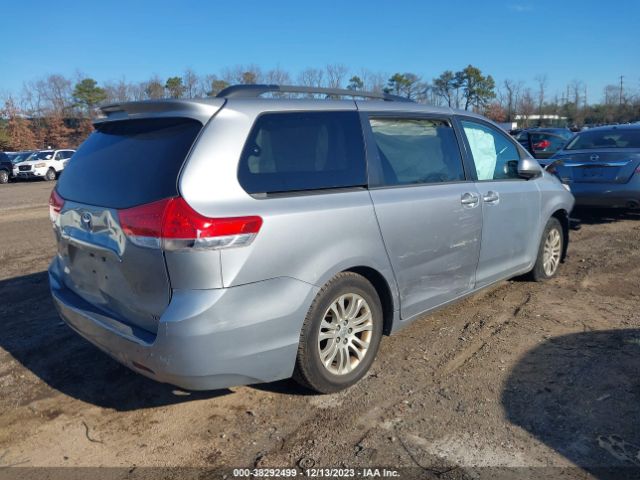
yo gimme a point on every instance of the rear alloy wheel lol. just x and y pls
(4, 176)
(50, 175)
(550, 251)
(345, 334)
(340, 335)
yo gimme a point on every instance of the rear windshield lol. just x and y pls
(296, 151)
(614, 138)
(129, 163)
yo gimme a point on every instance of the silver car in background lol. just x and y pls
(255, 239)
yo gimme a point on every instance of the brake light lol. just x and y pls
(541, 145)
(56, 202)
(173, 225)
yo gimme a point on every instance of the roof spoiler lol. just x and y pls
(201, 109)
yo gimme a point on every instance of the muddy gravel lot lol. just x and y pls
(521, 375)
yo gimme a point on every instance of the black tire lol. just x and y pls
(539, 274)
(4, 176)
(310, 370)
(50, 175)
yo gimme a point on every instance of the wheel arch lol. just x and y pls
(383, 290)
(563, 217)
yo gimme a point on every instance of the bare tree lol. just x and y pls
(511, 97)
(311, 77)
(49, 94)
(541, 80)
(374, 81)
(277, 76)
(526, 106)
(242, 74)
(336, 73)
(117, 92)
(190, 82)
(138, 91)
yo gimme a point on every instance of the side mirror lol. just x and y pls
(529, 168)
(550, 167)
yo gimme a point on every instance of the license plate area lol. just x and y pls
(592, 172)
(89, 271)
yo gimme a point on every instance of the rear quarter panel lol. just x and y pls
(309, 237)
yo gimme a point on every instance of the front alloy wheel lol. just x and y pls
(549, 252)
(552, 252)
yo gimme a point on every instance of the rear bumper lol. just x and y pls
(618, 195)
(206, 339)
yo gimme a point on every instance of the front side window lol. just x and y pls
(415, 151)
(494, 156)
(296, 151)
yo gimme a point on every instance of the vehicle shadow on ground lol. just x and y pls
(595, 216)
(580, 395)
(35, 336)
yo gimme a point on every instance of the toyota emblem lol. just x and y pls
(86, 219)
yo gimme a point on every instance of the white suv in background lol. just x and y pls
(47, 164)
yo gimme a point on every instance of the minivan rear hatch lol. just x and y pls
(123, 164)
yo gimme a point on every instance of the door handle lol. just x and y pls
(491, 197)
(469, 199)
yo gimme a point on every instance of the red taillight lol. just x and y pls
(145, 220)
(541, 145)
(175, 225)
(56, 202)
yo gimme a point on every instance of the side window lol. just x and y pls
(414, 151)
(59, 156)
(494, 156)
(303, 151)
(546, 142)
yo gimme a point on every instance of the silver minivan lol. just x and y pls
(242, 239)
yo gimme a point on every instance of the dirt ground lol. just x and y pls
(521, 375)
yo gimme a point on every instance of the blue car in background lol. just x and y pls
(602, 166)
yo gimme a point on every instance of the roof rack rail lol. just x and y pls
(253, 90)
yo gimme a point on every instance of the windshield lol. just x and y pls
(20, 157)
(46, 155)
(614, 138)
(564, 134)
